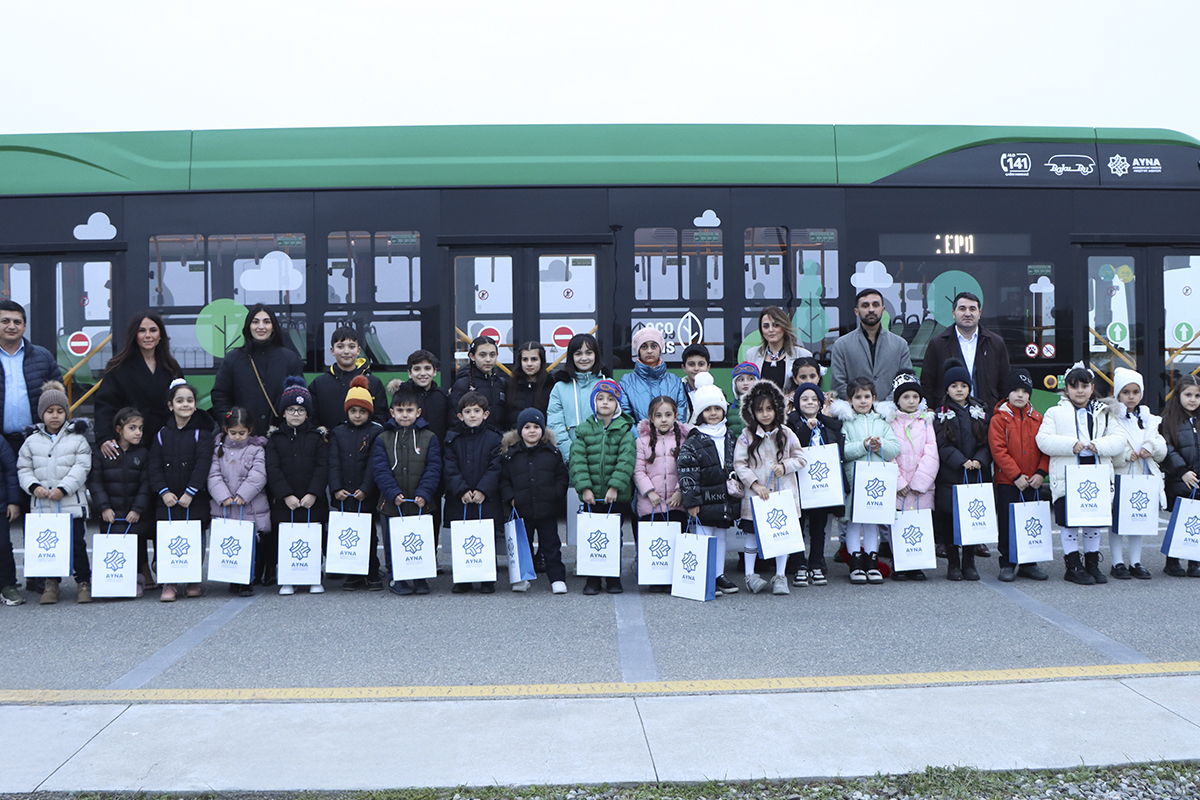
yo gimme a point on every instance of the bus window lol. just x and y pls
(15, 286)
(1181, 337)
(178, 271)
(266, 268)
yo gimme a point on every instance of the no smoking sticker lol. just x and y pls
(1048, 351)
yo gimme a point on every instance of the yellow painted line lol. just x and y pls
(11, 696)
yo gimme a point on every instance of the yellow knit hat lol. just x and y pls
(359, 396)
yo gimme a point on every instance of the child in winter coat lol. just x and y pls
(867, 436)
(1078, 431)
(120, 488)
(530, 384)
(1020, 467)
(917, 462)
(351, 481)
(180, 457)
(696, 359)
(745, 375)
(52, 467)
(406, 462)
(433, 400)
(602, 460)
(1181, 467)
(471, 467)
(297, 472)
(238, 477)
(569, 399)
(533, 481)
(767, 456)
(1144, 449)
(650, 378)
(481, 375)
(962, 435)
(814, 428)
(706, 471)
(655, 476)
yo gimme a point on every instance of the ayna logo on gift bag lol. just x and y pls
(1088, 491)
(300, 550)
(598, 541)
(473, 546)
(689, 562)
(976, 509)
(47, 540)
(1033, 527)
(913, 535)
(818, 471)
(777, 519)
(1192, 529)
(349, 538)
(412, 543)
(660, 548)
(875, 488)
(179, 547)
(115, 560)
(230, 547)
(1139, 500)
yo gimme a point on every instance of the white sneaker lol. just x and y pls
(316, 588)
(779, 585)
(755, 584)
(521, 586)
(558, 587)
(286, 589)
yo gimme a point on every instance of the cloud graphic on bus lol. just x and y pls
(871, 275)
(274, 272)
(97, 227)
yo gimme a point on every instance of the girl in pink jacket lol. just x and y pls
(918, 459)
(238, 476)
(655, 475)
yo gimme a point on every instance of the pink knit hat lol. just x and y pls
(648, 333)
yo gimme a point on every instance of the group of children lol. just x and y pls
(652, 445)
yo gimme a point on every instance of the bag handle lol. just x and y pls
(128, 527)
(967, 478)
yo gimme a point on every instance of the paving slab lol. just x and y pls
(316, 746)
(42, 738)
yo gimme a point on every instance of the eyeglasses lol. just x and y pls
(296, 411)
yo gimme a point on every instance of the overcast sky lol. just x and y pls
(76, 66)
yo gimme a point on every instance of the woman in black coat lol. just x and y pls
(252, 376)
(138, 377)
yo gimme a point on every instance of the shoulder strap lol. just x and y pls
(260, 384)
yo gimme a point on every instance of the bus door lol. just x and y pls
(544, 293)
(68, 303)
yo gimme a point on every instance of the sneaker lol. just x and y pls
(755, 584)
(1033, 572)
(286, 589)
(900, 575)
(558, 587)
(1120, 572)
(420, 586)
(1139, 572)
(874, 573)
(487, 587)
(50, 592)
(245, 591)
(375, 585)
(779, 585)
(726, 586)
(85, 592)
(858, 567)
(354, 583)
(11, 596)
(521, 586)
(316, 588)
(801, 577)
(1193, 569)
(400, 588)
(591, 586)
(817, 576)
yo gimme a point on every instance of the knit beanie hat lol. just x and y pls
(530, 415)
(1019, 379)
(606, 385)
(53, 394)
(707, 395)
(955, 373)
(295, 393)
(1123, 376)
(908, 383)
(359, 396)
(648, 333)
(804, 387)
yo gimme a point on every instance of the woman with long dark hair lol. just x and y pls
(530, 384)
(252, 376)
(571, 397)
(136, 377)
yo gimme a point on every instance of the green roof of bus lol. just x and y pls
(501, 155)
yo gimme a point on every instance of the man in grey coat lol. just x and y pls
(869, 350)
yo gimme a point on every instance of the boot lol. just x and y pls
(1174, 568)
(858, 566)
(50, 593)
(953, 569)
(1075, 572)
(873, 573)
(85, 592)
(969, 572)
(1091, 563)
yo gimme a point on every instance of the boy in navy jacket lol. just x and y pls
(351, 474)
(471, 458)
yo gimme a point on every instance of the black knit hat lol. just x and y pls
(1018, 379)
(905, 383)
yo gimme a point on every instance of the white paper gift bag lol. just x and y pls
(48, 544)
(299, 553)
(1029, 531)
(975, 513)
(179, 550)
(656, 543)
(114, 573)
(232, 545)
(473, 550)
(874, 492)
(821, 480)
(913, 546)
(694, 565)
(516, 542)
(598, 553)
(777, 523)
(348, 551)
(1182, 539)
(1088, 496)
(414, 555)
(1136, 511)
(573, 506)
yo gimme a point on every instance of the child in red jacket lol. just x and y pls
(1020, 466)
